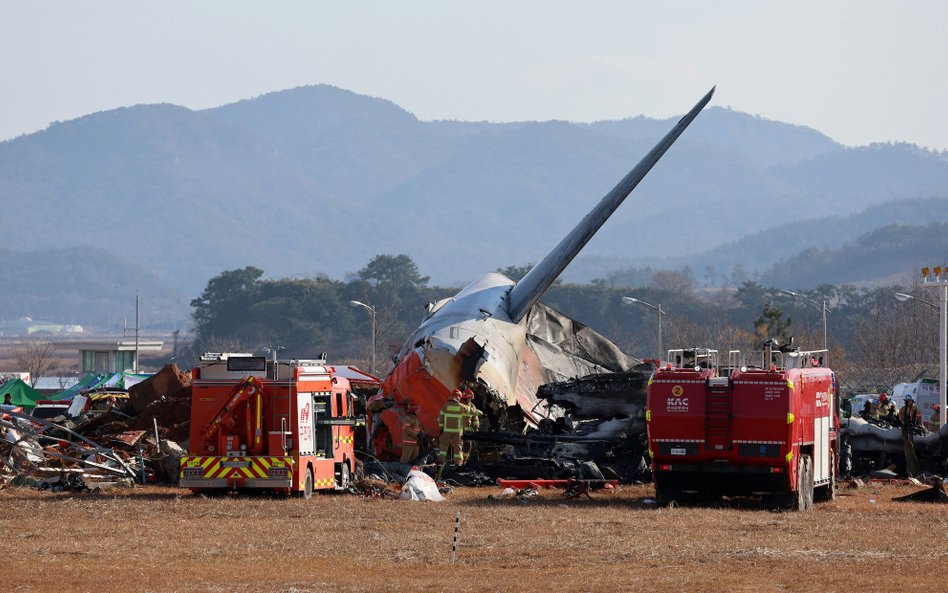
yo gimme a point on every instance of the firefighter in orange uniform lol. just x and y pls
(451, 421)
(411, 428)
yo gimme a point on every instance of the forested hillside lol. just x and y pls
(316, 181)
(773, 252)
(87, 285)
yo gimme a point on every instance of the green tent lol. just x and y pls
(101, 381)
(87, 382)
(22, 394)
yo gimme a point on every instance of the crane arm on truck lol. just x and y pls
(244, 393)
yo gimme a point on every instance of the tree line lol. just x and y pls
(240, 310)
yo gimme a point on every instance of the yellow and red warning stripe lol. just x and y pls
(233, 467)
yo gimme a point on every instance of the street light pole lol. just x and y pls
(901, 296)
(274, 350)
(940, 281)
(820, 306)
(629, 300)
(371, 311)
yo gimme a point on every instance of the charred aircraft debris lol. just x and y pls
(495, 338)
(875, 449)
(594, 428)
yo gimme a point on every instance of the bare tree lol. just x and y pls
(683, 332)
(37, 358)
(227, 344)
(674, 281)
(891, 335)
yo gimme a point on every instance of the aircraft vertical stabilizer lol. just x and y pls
(529, 290)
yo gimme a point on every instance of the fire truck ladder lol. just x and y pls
(717, 429)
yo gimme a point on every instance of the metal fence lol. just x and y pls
(854, 379)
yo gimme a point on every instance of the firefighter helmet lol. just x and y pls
(456, 393)
(909, 398)
(468, 394)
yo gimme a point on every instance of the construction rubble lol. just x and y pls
(136, 440)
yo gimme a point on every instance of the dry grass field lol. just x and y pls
(163, 539)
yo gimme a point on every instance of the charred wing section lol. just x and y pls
(601, 396)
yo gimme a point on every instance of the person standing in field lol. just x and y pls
(910, 418)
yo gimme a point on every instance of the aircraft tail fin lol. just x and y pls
(529, 290)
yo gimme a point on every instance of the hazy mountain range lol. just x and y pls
(318, 180)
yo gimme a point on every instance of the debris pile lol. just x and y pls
(871, 446)
(164, 401)
(133, 438)
(44, 454)
(938, 492)
(594, 430)
(593, 433)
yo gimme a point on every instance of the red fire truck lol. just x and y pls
(765, 428)
(285, 426)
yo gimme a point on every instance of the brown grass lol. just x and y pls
(162, 539)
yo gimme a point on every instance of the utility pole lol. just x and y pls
(629, 300)
(174, 349)
(821, 307)
(371, 311)
(136, 329)
(939, 279)
(138, 326)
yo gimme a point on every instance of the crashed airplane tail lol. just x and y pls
(482, 338)
(534, 284)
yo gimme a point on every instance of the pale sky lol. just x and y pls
(859, 71)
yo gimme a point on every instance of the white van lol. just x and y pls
(925, 393)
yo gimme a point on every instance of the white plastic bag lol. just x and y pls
(420, 486)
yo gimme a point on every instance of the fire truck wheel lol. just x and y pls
(803, 499)
(343, 476)
(665, 496)
(308, 485)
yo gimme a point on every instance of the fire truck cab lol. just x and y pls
(284, 426)
(766, 425)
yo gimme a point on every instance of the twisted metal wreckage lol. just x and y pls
(522, 359)
(132, 440)
(47, 453)
(869, 447)
(497, 339)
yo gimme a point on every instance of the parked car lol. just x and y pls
(49, 409)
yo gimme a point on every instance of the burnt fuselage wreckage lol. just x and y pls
(497, 339)
(594, 428)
